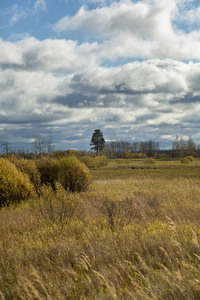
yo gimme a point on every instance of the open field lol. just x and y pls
(134, 234)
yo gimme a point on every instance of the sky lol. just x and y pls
(128, 68)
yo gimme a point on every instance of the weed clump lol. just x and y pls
(150, 161)
(15, 186)
(55, 206)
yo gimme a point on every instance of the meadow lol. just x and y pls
(133, 234)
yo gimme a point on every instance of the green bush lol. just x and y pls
(15, 186)
(74, 175)
(30, 169)
(185, 160)
(191, 158)
(150, 161)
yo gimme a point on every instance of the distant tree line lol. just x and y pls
(182, 148)
(116, 149)
(123, 149)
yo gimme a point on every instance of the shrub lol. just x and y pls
(55, 206)
(75, 176)
(191, 158)
(102, 160)
(150, 161)
(30, 169)
(69, 171)
(89, 161)
(15, 186)
(98, 161)
(185, 160)
(119, 161)
(49, 169)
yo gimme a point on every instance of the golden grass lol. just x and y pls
(133, 235)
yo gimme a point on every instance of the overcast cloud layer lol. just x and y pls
(129, 68)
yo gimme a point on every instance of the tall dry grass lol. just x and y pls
(133, 235)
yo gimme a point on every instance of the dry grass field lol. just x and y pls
(134, 234)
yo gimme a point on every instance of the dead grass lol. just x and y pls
(133, 235)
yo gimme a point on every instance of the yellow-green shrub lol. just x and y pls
(150, 161)
(98, 161)
(102, 160)
(69, 171)
(15, 186)
(185, 160)
(120, 161)
(49, 169)
(74, 176)
(191, 158)
(28, 167)
(88, 161)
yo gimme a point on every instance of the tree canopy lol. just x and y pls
(97, 141)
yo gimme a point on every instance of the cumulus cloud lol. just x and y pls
(135, 92)
(142, 18)
(142, 29)
(47, 55)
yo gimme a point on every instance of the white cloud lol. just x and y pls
(191, 16)
(19, 36)
(40, 5)
(17, 14)
(10, 54)
(141, 18)
(140, 30)
(148, 93)
(48, 55)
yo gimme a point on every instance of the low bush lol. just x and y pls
(150, 161)
(185, 161)
(120, 161)
(55, 206)
(191, 158)
(69, 171)
(30, 169)
(74, 175)
(15, 186)
(49, 169)
(102, 160)
(96, 162)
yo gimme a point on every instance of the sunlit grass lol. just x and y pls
(133, 235)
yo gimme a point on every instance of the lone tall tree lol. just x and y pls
(97, 141)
